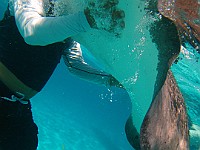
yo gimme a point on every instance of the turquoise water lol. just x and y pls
(73, 114)
(187, 73)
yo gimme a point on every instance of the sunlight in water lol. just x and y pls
(63, 146)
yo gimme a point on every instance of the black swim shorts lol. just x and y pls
(17, 128)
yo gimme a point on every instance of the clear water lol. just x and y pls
(187, 74)
(75, 115)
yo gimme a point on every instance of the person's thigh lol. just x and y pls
(17, 128)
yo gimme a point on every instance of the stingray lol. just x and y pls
(140, 58)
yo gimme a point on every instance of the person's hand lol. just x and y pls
(105, 15)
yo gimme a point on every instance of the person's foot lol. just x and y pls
(105, 15)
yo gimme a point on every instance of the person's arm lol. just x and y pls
(76, 65)
(37, 29)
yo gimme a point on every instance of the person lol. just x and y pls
(32, 42)
(76, 64)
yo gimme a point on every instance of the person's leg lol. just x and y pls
(17, 129)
